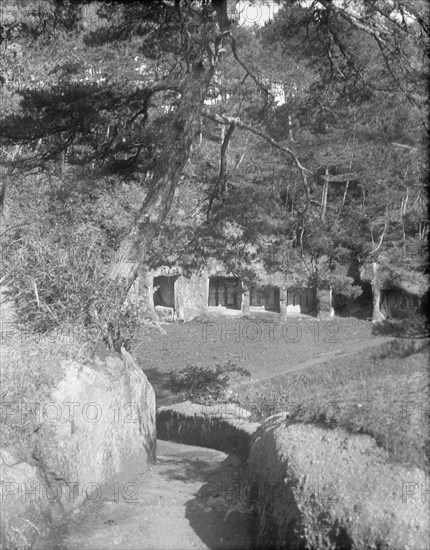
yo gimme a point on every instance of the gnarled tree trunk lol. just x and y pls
(175, 154)
(170, 165)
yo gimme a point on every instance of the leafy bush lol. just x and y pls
(412, 327)
(203, 384)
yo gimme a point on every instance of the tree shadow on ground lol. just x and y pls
(218, 513)
(401, 348)
(218, 524)
(409, 328)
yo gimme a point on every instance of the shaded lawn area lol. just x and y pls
(255, 343)
(382, 392)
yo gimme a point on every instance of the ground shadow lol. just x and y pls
(218, 513)
(409, 328)
(401, 347)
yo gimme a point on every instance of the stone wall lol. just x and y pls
(191, 294)
(335, 490)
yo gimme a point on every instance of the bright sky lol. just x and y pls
(256, 12)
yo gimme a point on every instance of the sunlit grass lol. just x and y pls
(383, 393)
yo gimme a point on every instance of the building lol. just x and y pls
(176, 294)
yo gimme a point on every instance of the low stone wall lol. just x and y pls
(312, 487)
(204, 426)
(335, 490)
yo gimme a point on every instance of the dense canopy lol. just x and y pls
(167, 132)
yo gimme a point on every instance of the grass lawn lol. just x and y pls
(381, 391)
(261, 344)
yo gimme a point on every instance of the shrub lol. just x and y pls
(57, 281)
(412, 327)
(204, 384)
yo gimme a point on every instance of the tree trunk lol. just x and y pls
(283, 299)
(324, 195)
(170, 165)
(343, 199)
(377, 316)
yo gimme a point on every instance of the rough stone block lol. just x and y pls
(98, 425)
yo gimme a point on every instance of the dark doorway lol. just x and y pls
(164, 288)
(226, 292)
(303, 297)
(268, 297)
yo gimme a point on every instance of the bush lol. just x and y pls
(204, 385)
(412, 327)
(57, 281)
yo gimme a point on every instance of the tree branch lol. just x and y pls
(223, 119)
(376, 30)
(222, 176)
(374, 251)
(220, 7)
(248, 72)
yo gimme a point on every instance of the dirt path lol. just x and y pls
(182, 502)
(185, 501)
